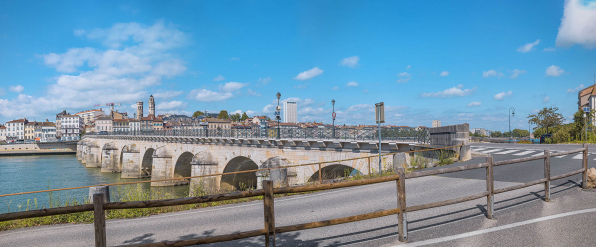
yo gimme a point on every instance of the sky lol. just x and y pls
(458, 62)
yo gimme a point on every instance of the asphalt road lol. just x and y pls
(519, 215)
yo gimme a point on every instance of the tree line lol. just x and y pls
(223, 114)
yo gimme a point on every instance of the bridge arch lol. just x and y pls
(110, 158)
(147, 162)
(239, 180)
(334, 171)
(182, 168)
(203, 163)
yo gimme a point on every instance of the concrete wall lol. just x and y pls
(41, 146)
(452, 135)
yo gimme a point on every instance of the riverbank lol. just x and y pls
(37, 152)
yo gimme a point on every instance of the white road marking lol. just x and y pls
(478, 149)
(524, 153)
(490, 151)
(506, 152)
(498, 228)
(558, 157)
(578, 157)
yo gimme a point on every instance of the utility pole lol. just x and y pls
(511, 114)
(380, 117)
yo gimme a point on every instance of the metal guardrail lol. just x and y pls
(368, 134)
(268, 192)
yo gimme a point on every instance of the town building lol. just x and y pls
(290, 112)
(587, 98)
(72, 127)
(157, 123)
(103, 123)
(216, 123)
(139, 110)
(30, 130)
(16, 129)
(59, 123)
(151, 105)
(45, 131)
(89, 116)
(120, 125)
(436, 123)
(147, 123)
(2, 133)
(134, 124)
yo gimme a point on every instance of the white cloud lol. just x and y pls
(219, 78)
(309, 74)
(352, 84)
(335, 88)
(164, 106)
(492, 72)
(205, 95)
(233, 86)
(550, 49)
(351, 62)
(516, 72)
(528, 47)
(301, 86)
(2, 92)
(445, 73)
(265, 80)
(236, 112)
(16, 89)
(409, 66)
(167, 94)
(270, 108)
(235, 59)
(546, 99)
(451, 92)
(365, 91)
(578, 25)
(474, 103)
(404, 77)
(580, 87)
(503, 95)
(554, 70)
(253, 93)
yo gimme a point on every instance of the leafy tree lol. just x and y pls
(266, 117)
(520, 133)
(496, 134)
(223, 114)
(244, 116)
(235, 117)
(198, 113)
(547, 117)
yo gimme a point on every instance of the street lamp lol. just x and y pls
(277, 109)
(511, 113)
(333, 116)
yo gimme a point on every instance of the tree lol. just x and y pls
(198, 113)
(547, 117)
(496, 134)
(244, 116)
(223, 114)
(235, 117)
(520, 133)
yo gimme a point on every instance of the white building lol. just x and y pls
(90, 115)
(59, 123)
(2, 133)
(48, 132)
(103, 123)
(134, 125)
(16, 129)
(436, 123)
(290, 112)
(71, 127)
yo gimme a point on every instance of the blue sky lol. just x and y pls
(463, 61)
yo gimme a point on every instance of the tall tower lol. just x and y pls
(151, 105)
(139, 109)
(290, 112)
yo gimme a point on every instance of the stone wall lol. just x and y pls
(452, 135)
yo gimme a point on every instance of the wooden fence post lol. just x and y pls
(490, 187)
(547, 176)
(269, 213)
(402, 219)
(100, 220)
(369, 172)
(585, 165)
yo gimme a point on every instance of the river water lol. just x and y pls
(32, 173)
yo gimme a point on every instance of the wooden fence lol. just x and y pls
(270, 229)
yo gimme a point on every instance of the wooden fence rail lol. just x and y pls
(268, 192)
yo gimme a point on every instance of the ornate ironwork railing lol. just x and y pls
(387, 134)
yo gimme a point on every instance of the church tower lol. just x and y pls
(151, 105)
(139, 109)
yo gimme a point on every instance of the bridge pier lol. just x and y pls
(93, 158)
(162, 167)
(204, 164)
(82, 155)
(131, 162)
(110, 159)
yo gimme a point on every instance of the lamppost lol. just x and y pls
(511, 113)
(277, 109)
(333, 116)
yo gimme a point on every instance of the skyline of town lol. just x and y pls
(424, 66)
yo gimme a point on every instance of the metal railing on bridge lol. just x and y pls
(365, 134)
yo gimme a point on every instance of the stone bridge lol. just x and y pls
(167, 157)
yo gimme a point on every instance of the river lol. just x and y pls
(32, 173)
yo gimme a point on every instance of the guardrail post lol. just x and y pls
(585, 165)
(369, 172)
(100, 220)
(490, 187)
(269, 213)
(547, 176)
(402, 219)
